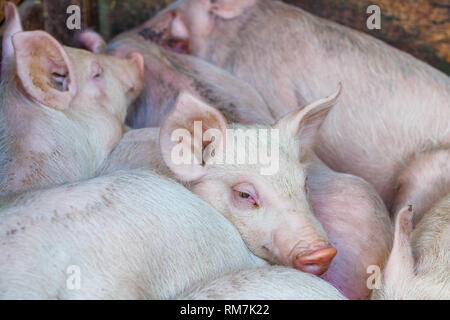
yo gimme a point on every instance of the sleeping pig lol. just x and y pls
(61, 109)
(292, 216)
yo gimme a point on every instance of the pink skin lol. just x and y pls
(381, 122)
(316, 262)
(341, 197)
(413, 184)
(12, 26)
(61, 109)
(349, 209)
(271, 211)
(356, 222)
(366, 209)
(418, 265)
(168, 73)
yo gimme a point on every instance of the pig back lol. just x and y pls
(132, 235)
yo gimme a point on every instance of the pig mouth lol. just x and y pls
(163, 39)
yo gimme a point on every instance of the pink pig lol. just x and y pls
(61, 109)
(394, 115)
(168, 73)
(278, 222)
(419, 264)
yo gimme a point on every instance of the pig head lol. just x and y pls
(271, 210)
(61, 109)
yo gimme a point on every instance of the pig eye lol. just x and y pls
(245, 197)
(306, 185)
(97, 74)
(97, 71)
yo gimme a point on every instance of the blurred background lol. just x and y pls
(420, 27)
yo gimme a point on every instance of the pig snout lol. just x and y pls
(303, 245)
(315, 262)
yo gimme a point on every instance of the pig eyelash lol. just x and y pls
(306, 185)
(98, 74)
(245, 196)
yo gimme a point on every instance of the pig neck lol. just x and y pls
(40, 146)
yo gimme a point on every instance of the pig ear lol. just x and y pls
(92, 41)
(12, 26)
(401, 262)
(304, 123)
(184, 150)
(45, 69)
(230, 9)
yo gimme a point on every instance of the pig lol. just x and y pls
(397, 109)
(285, 218)
(265, 283)
(128, 235)
(241, 190)
(419, 264)
(61, 109)
(168, 73)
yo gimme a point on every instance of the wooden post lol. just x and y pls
(55, 17)
(2, 8)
